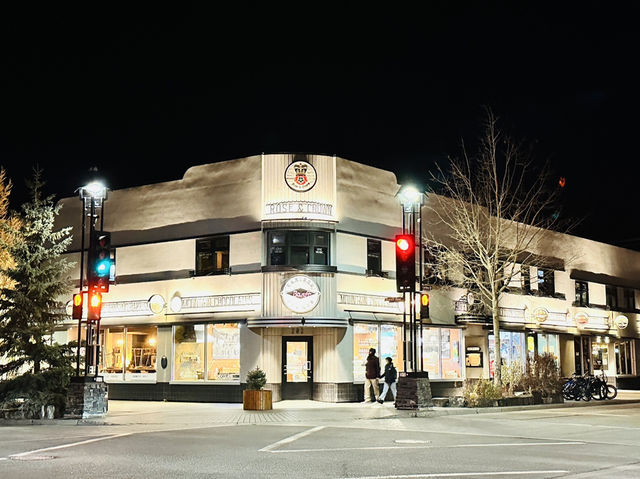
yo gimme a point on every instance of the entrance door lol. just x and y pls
(297, 360)
(582, 346)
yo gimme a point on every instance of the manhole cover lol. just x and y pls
(411, 441)
(31, 457)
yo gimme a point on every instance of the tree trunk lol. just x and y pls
(497, 365)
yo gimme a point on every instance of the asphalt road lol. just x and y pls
(588, 442)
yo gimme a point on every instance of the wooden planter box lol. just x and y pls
(256, 400)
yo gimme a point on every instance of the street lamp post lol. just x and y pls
(93, 197)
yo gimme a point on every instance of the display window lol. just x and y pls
(512, 348)
(624, 356)
(223, 352)
(128, 353)
(386, 339)
(600, 354)
(441, 353)
(549, 344)
(206, 352)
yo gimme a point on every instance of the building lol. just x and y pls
(286, 262)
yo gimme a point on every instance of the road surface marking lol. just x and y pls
(73, 444)
(453, 446)
(459, 474)
(289, 439)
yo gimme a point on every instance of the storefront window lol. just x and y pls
(141, 343)
(441, 353)
(512, 348)
(365, 336)
(549, 344)
(188, 353)
(112, 352)
(223, 352)
(624, 357)
(391, 344)
(600, 354)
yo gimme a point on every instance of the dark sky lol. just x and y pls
(144, 94)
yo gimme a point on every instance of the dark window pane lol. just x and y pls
(299, 255)
(612, 296)
(278, 256)
(321, 239)
(374, 259)
(299, 238)
(278, 237)
(212, 255)
(319, 255)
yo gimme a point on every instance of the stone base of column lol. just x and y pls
(414, 391)
(87, 397)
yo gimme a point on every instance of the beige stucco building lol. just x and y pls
(287, 262)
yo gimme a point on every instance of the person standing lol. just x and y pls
(390, 376)
(372, 374)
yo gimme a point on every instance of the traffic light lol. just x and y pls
(424, 305)
(77, 306)
(94, 309)
(100, 261)
(405, 263)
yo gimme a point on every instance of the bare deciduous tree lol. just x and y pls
(490, 210)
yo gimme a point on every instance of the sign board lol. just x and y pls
(473, 357)
(300, 294)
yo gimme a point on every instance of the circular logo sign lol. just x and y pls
(540, 315)
(581, 319)
(300, 294)
(156, 304)
(622, 321)
(300, 176)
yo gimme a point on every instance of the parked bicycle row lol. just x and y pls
(589, 387)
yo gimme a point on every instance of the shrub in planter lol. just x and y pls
(512, 375)
(482, 393)
(254, 397)
(542, 376)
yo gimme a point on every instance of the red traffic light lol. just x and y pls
(405, 263)
(403, 244)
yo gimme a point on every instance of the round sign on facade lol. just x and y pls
(300, 294)
(581, 319)
(540, 315)
(622, 321)
(300, 176)
(175, 304)
(156, 304)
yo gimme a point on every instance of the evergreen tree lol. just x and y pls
(30, 308)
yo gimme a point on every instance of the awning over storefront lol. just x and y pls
(297, 322)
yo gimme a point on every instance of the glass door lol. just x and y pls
(297, 356)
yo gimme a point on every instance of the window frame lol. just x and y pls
(373, 244)
(205, 356)
(311, 245)
(213, 250)
(547, 278)
(582, 293)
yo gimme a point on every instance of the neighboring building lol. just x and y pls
(286, 262)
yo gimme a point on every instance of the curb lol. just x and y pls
(451, 411)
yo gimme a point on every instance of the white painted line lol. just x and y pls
(453, 446)
(73, 444)
(410, 441)
(289, 439)
(460, 474)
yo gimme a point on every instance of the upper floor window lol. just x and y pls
(212, 255)
(582, 293)
(546, 285)
(612, 296)
(374, 256)
(295, 248)
(629, 299)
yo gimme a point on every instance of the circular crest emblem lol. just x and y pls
(540, 315)
(622, 321)
(300, 176)
(300, 294)
(156, 304)
(581, 319)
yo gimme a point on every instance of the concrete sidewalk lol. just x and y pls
(161, 414)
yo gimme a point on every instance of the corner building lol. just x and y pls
(286, 262)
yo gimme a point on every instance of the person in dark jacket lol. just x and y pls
(372, 374)
(390, 376)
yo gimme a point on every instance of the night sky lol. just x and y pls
(143, 94)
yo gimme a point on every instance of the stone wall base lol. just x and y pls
(86, 398)
(414, 392)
